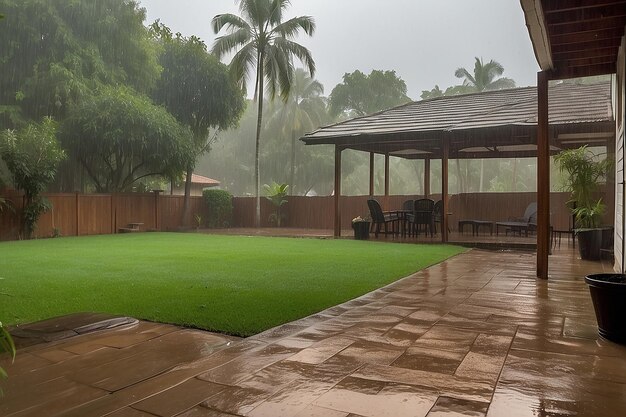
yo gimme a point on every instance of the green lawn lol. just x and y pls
(231, 284)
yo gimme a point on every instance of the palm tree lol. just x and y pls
(264, 42)
(484, 77)
(304, 111)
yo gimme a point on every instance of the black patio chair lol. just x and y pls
(381, 219)
(525, 224)
(423, 215)
(438, 214)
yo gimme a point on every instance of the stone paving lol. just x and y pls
(475, 335)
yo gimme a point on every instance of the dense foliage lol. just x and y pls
(120, 137)
(32, 155)
(54, 53)
(220, 207)
(361, 94)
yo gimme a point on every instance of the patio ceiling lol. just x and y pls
(494, 124)
(576, 38)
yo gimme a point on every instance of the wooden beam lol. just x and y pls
(386, 181)
(581, 15)
(337, 191)
(564, 73)
(589, 26)
(585, 36)
(567, 48)
(597, 52)
(372, 174)
(444, 190)
(557, 6)
(427, 178)
(543, 176)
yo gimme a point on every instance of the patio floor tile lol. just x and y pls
(475, 335)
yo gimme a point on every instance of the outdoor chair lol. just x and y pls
(438, 214)
(381, 219)
(527, 223)
(423, 215)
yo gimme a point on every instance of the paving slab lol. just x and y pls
(476, 335)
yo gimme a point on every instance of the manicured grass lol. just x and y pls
(232, 284)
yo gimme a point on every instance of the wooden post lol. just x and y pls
(427, 178)
(156, 209)
(77, 213)
(387, 181)
(543, 176)
(444, 189)
(371, 174)
(113, 228)
(337, 191)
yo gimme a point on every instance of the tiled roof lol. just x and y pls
(569, 104)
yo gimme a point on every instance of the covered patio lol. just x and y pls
(494, 124)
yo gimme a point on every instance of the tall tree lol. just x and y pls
(120, 137)
(304, 111)
(361, 94)
(485, 76)
(265, 42)
(197, 89)
(56, 52)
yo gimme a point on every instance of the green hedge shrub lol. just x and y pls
(220, 206)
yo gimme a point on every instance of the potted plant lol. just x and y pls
(361, 227)
(276, 193)
(585, 173)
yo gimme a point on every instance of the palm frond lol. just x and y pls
(501, 83)
(279, 71)
(463, 73)
(291, 28)
(242, 64)
(230, 21)
(291, 48)
(227, 43)
(277, 8)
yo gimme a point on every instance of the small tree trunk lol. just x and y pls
(186, 197)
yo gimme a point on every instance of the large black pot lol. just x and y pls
(589, 243)
(608, 293)
(361, 230)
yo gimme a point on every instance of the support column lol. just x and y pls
(543, 176)
(386, 181)
(427, 178)
(444, 189)
(337, 191)
(372, 174)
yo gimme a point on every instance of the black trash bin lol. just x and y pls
(361, 230)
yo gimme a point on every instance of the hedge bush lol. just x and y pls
(220, 207)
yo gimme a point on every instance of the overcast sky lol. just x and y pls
(423, 41)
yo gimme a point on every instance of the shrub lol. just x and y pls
(220, 206)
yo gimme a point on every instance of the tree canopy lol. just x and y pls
(120, 137)
(361, 94)
(485, 76)
(56, 52)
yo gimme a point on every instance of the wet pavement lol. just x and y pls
(475, 335)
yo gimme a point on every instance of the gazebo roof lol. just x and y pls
(498, 123)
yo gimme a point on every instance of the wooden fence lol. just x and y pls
(91, 214)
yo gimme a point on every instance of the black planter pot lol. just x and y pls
(608, 293)
(361, 230)
(589, 243)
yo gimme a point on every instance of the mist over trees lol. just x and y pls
(137, 105)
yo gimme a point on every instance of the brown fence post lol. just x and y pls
(77, 213)
(156, 209)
